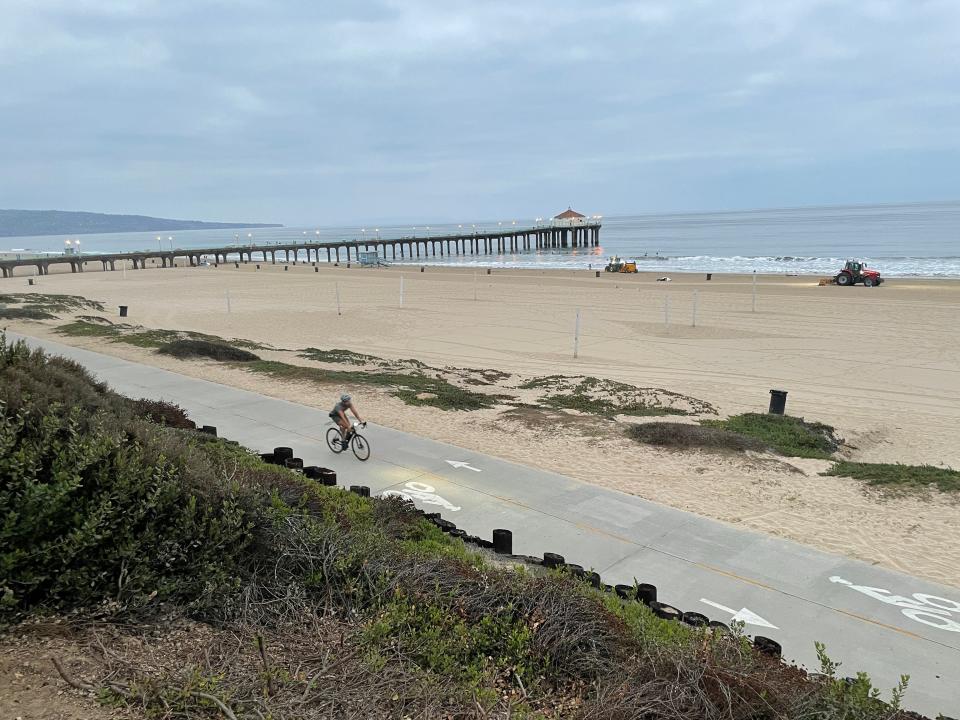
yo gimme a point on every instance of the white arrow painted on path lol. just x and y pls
(465, 466)
(743, 615)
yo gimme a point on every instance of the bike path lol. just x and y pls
(871, 619)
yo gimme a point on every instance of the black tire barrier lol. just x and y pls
(696, 619)
(268, 458)
(473, 540)
(282, 454)
(311, 472)
(123, 308)
(486, 544)
(767, 646)
(446, 525)
(717, 625)
(503, 542)
(594, 578)
(553, 560)
(607, 588)
(328, 477)
(624, 591)
(577, 570)
(355, 489)
(665, 612)
(209, 430)
(432, 517)
(294, 463)
(646, 593)
(458, 533)
(364, 491)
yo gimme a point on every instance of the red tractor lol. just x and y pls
(857, 272)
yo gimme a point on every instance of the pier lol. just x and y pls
(563, 233)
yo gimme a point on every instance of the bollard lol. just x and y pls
(282, 454)
(696, 619)
(123, 309)
(553, 560)
(646, 593)
(209, 430)
(709, 276)
(294, 463)
(767, 646)
(778, 402)
(503, 542)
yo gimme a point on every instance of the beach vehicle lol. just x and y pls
(621, 266)
(856, 271)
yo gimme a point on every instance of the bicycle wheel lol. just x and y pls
(360, 446)
(333, 440)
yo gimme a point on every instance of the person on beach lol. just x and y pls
(339, 416)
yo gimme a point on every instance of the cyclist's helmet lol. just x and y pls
(344, 398)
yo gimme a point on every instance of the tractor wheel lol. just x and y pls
(844, 279)
(868, 282)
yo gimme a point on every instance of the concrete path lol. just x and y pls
(881, 622)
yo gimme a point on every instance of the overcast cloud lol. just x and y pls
(352, 112)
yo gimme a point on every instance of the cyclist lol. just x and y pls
(339, 416)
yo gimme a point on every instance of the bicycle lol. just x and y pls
(357, 442)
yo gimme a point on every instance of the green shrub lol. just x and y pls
(898, 476)
(682, 436)
(791, 436)
(184, 349)
(27, 313)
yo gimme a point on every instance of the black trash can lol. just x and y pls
(778, 402)
(598, 272)
(123, 311)
(709, 276)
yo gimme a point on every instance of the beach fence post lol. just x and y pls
(753, 305)
(694, 323)
(228, 301)
(124, 269)
(336, 287)
(666, 310)
(401, 289)
(474, 285)
(576, 336)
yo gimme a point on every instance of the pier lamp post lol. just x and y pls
(317, 233)
(363, 232)
(170, 240)
(159, 243)
(236, 239)
(474, 228)
(377, 231)
(428, 231)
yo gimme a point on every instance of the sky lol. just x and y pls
(331, 113)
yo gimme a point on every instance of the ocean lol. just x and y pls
(919, 239)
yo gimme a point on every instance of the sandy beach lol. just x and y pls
(879, 364)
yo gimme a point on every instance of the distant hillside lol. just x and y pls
(15, 223)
